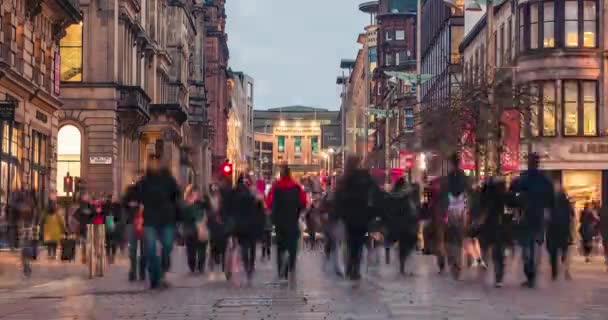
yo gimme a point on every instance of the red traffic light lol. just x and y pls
(227, 169)
(68, 185)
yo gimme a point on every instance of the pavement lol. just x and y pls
(61, 291)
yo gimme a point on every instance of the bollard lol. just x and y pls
(96, 250)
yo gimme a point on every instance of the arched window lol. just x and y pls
(68, 154)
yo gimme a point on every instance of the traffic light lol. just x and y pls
(227, 169)
(68, 184)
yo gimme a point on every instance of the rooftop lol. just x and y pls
(369, 7)
(296, 109)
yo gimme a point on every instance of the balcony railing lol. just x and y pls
(134, 98)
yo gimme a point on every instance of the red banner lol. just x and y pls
(510, 141)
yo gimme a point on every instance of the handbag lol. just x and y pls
(202, 232)
(138, 223)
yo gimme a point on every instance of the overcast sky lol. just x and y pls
(292, 48)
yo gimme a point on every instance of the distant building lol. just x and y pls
(295, 132)
(240, 121)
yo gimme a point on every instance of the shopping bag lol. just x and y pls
(138, 223)
(202, 231)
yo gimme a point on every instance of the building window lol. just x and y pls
(389, 35)
(580, 108)
(281, 144)
(68, 155)
(70, 48)
(571, 23)
(388, 59)
(549, 109)
(314, 144)
(589, 24)
(38, 162)
(249, 90)
(297, 146)
(522, 28)
(575, 21)
(507, 43)
(549, 24)
(400, 35)
(409, 119)
(589, 108)
(534, 25)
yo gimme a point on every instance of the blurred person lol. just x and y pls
(401, 221)
(249, 217)
(604, 230)
(455, 190)
(53, 230)
(588, 222)
(84, 216)
(193, 213)
(215, 223)
(355, 202)
(158, 193)
(558, 232)
(113, 216)
(286, 200)
(534, 197)
(493, 231)
(131, 206)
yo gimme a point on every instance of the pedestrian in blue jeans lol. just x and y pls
(534, 196)
(158, 193)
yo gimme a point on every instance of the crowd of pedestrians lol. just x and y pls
(222, 226)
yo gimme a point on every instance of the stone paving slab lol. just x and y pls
(316, 296)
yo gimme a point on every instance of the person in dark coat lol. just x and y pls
(286, 199)
(493, 233)
(130, 207)
(588, 222)
(604, 230)
(534, 194)
(356, 199)
(558, 232)
(217, 202)
(193, 212)
(159, 195)
(248, 214)
(401, 220)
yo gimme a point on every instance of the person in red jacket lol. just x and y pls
(286, 200)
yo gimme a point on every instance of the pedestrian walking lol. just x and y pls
(53, 230)
(193, 214)
(131, 207)
(158, 193)
(604, 230)
(356, 199)
(454, 202)
(401, 221)
(534, 197)
(588, 223)
(286, 200)
(84, 216)
(216, 200)
(113, 217)
(493, 231)
(249, 217)
(558, 232)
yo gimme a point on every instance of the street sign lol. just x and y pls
(7, 110)
(100, 160)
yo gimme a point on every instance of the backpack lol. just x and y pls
(456, 211)
(110, 223)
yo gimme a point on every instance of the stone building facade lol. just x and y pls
(558, 49)
(216, 79)
(126, 88)
(29, 80)
(240, 121)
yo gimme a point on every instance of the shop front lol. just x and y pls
(580, 166)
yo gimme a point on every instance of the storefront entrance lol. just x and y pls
(582, 187)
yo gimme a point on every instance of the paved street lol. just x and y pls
(383, 295)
